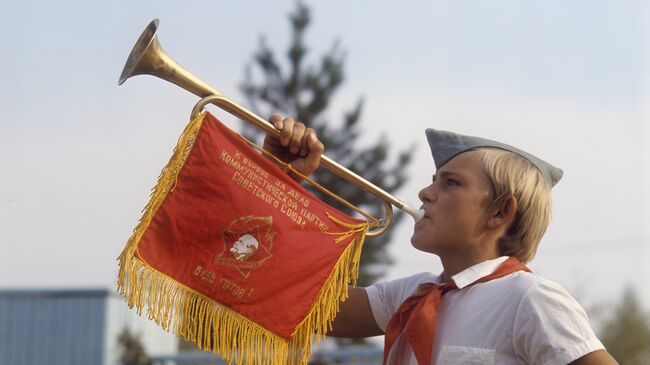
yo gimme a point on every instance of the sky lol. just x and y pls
(565, 80)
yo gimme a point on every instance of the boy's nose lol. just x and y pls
(427, 194)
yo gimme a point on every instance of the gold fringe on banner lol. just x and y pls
(210, 325)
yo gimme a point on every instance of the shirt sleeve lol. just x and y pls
(551, 327)
(385, 298)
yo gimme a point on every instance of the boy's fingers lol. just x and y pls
(316, 149)
(286, 131)
(297, 137)
(276, 120)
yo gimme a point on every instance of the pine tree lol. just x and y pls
(305, 92)
(131, 350)
(627, 334)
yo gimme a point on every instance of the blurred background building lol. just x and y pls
(95, 327)
(72, 327)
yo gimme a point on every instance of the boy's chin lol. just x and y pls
(422, 246)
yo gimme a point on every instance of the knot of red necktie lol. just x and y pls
(417, 314)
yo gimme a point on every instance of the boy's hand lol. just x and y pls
(297, 145)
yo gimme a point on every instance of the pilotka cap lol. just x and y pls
(447, 145)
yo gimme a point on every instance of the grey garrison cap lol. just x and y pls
(447, 145)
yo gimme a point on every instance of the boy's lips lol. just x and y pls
(424, 218)
(426, 214)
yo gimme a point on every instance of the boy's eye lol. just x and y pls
(446, 180)
(452, 182)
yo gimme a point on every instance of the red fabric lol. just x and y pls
(418, 313)
(225, 191)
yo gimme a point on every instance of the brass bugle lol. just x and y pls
(148, 57)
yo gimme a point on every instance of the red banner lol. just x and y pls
(235, 255)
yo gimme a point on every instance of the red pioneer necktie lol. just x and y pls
(418, 313)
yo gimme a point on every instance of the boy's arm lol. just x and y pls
(355, 317)
(600, 357)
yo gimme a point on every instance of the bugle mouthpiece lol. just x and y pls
(417, 214)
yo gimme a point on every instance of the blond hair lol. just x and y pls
(512, 175)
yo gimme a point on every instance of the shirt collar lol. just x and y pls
(473, 273)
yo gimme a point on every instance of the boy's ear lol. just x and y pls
(503, 212)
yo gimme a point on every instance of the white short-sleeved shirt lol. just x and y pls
(520, 318)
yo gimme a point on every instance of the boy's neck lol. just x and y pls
(452, 265)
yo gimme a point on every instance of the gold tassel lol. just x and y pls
(211, 326)
(353, 228)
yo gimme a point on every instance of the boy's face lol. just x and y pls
(455, 206)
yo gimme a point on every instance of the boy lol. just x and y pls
(485, 212)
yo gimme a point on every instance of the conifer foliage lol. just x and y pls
(626, 334)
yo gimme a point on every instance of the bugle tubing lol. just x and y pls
(148, 58)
